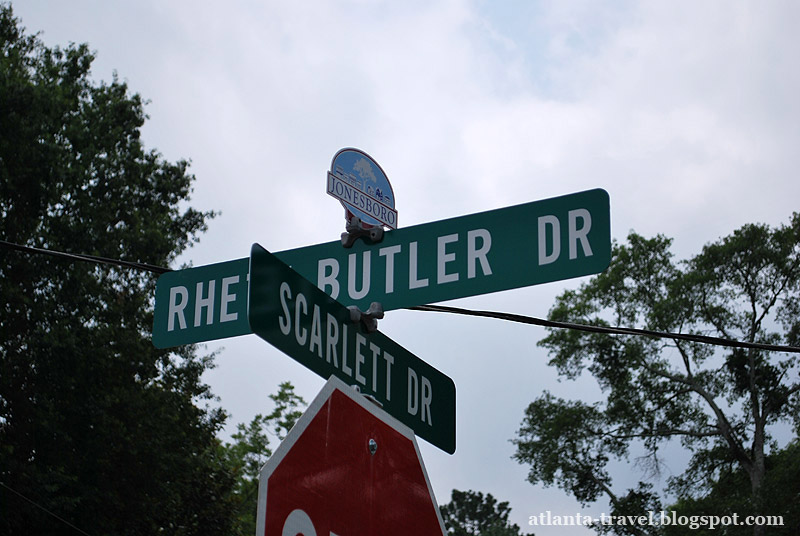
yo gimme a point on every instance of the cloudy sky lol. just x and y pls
(685, 112)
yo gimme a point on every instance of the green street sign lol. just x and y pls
(295, 316)
(201, 304)
(529, 244)
(539, 242)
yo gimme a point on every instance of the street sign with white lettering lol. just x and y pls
(295, 316)
(201, 304)
(529, 244)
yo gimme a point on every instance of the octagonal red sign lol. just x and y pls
(347, 468)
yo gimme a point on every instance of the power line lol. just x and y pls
(37, 505)
(607, 329)
(87, 258)
(717, 341)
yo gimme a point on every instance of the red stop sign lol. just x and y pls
(347, 468)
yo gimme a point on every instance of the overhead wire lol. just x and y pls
(510, 317)
(718, 341)
(37, 505)
(87, 258)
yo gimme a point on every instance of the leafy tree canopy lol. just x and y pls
(250, 450)
(720, 404)
(730, 495)
(96, 425)
(471, 513)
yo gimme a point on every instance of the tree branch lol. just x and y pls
(711, 319)
(685, 357)
(615, 501)
(666, 433)
(784, 283)
(725, 428)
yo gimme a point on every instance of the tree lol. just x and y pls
(721, 405)
(97, 427)
(730, 494)
(471, 513)
(250, 450)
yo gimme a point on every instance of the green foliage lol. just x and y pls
(250, 450)
(720, 404)
(471, 513)
(730, 495)
(576, 460)
(96, 425)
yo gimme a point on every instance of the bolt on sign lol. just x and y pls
(295, 316)
(529, 244)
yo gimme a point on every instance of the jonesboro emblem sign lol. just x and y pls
(360, 184)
